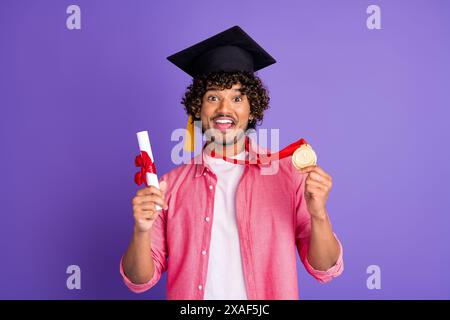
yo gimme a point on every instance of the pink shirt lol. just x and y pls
(273, 225)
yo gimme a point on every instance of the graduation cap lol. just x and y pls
(229, 50)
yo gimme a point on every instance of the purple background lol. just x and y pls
(373, 103)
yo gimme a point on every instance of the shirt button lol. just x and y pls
(207, 219)
(210, 187)
(203, 252)
(204, 173)
(200, 287)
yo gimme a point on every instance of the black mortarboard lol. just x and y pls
(230, 50)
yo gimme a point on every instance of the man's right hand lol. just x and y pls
(144, 206)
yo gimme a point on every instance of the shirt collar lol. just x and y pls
(201, 166)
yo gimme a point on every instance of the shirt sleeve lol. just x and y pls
(303, 234)
(158, 252)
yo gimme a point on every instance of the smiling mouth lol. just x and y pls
(224, 123)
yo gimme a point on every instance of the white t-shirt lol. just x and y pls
(225, 276)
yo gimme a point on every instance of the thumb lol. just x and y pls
(163, 186)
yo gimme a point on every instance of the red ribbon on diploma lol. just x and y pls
(264, 158)
(143, 160)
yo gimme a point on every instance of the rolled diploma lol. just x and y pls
(144, 145)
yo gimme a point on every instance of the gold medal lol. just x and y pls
(304, 156)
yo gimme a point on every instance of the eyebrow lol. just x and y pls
(216, 89)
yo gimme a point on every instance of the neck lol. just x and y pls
(228, 150)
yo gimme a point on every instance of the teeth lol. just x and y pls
(224, 121)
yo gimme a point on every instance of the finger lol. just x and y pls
(153, 200)
(156, 200)
(145, 215)
(149, 215)
(148, 198)
(148, 206)
(148, 191)
(138, 208)
(317, 170)
(322, 172)
(316, 184)
(155, 215)
(317, 177)
(163, 186)
(307, 169)
(314, 190)
(151, 205)
(159, 201)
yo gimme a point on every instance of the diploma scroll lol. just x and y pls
(144, 145)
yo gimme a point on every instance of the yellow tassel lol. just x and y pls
(189, 141)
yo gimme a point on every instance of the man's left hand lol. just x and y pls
(317, 188)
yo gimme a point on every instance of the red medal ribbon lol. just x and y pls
(264, 158)
(144, 161)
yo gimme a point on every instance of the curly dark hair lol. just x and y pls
(251, 86)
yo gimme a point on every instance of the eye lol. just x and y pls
(212, 98)
(238, 99)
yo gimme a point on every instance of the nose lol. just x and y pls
(224, 107)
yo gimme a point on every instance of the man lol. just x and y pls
(227, 231)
